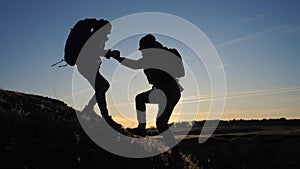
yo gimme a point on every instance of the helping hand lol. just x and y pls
(115, 54)
(112, 53)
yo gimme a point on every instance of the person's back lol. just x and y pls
(89, 61)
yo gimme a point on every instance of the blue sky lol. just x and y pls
(258, 43)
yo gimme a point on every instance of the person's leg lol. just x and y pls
(89, 108)
(162, 126)
(165, 112)
(101, 86)
(140, 105)
(165, 106)
(101, 100)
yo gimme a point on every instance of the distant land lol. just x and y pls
(41, 132)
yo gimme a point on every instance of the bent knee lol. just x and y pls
(140, 98)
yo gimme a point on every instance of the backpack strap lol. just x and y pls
(62, 60)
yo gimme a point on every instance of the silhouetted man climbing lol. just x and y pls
(162, 67)
(88, 64)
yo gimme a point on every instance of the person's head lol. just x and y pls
(149, 41)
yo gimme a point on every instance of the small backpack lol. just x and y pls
(78, 36)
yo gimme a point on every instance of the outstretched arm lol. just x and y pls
(133, 64)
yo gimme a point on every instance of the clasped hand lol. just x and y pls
(113, 53)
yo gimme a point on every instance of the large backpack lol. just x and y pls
(181, 72)
(179, 66)
(170, 71)
(78, 36)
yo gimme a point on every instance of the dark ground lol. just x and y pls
(39, 132)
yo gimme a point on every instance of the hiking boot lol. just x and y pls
(112, 123)
(138, 131)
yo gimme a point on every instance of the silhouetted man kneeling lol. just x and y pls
(162, 68)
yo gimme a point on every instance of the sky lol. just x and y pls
(257, 42)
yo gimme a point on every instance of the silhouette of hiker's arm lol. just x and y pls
(108, 53)
(133, 64)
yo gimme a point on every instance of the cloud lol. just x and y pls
(292, 29)
(241, 39)
(233, 95)
(255, 18)
(251, 36)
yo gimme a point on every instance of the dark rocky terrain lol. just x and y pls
(39, 132)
